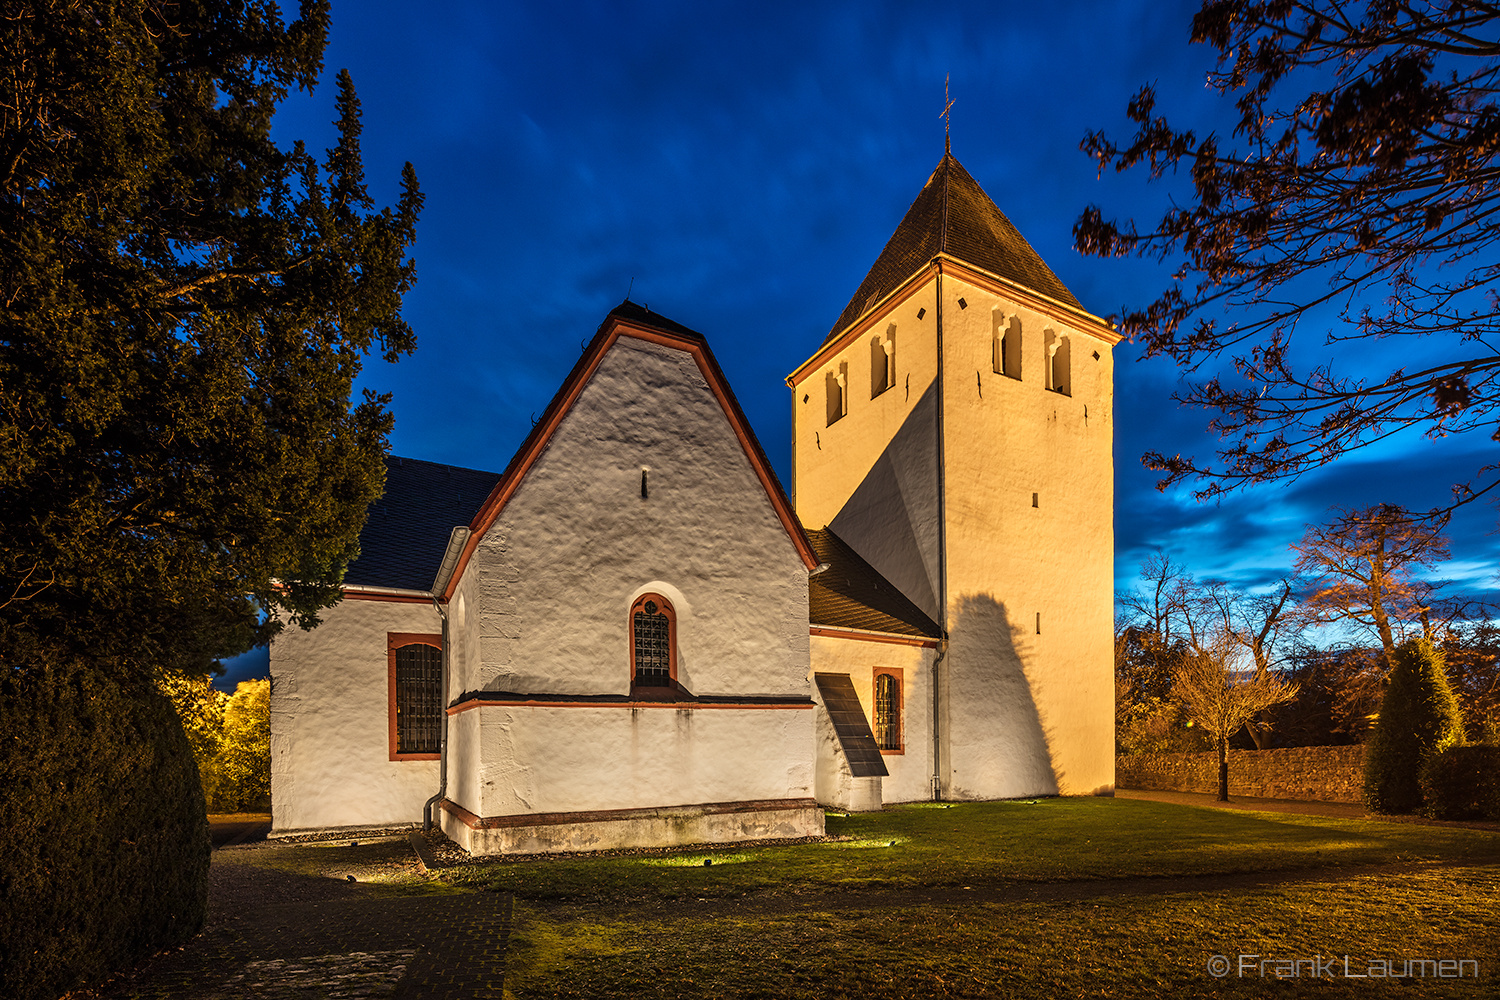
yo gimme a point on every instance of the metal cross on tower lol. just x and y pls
(946, 116)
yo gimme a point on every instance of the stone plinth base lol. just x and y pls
(665, 826)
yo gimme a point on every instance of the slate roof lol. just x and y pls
(850, 593)
(953, 215)
(407, 531)
(637, 313)
(849, 722)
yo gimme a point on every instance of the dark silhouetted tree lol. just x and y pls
(1362, 566)
(1362, 181)
(1418, 717)
(184, 307)
(1471, 654)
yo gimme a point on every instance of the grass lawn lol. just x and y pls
(929, 846)
(1103, 946)
(1056, 898)
(1063, 897)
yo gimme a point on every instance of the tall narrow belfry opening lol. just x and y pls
(1058, 364)
(836, 384)
(1006, 347)
(883, 361)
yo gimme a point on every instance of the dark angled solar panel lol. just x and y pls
(851, 725)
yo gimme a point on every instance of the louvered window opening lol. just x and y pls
(887, 712)
(653, 647)
(419, 700)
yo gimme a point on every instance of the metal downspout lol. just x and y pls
(942, 515)
(443, 744)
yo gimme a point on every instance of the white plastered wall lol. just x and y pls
(555, 759)
(1026, 712)
(831, 461)
(330, 723)
(910, 772)
(547, 594)
(1021, 713)
(551, 582)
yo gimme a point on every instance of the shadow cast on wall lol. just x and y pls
(999, 747)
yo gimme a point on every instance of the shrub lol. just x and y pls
(201, 709)
(1418, 717)
(231, 738)
(107, 842)
(1157, 726)
(1462, 782)
(243, 763)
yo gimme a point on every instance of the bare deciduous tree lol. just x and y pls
(1167, 602)
(1220, 697)
(1262, 624)
(1362, 179)
(1362, 565)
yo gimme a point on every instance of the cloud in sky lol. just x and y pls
(743, 166)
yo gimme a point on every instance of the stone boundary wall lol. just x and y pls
(1316, 774)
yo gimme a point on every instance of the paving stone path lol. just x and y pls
(351, 949)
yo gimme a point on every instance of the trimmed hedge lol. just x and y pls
(1463, 783)
(1418, 717)
(107, 844)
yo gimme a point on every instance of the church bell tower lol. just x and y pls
(955, 429)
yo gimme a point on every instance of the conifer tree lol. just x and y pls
(185, 308)
(1418, 717)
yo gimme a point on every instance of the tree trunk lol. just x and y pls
(1223, 769)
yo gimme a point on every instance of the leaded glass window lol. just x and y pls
(651, 622)
(887, 712)
(419, 699)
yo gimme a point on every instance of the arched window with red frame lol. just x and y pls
(653, 642)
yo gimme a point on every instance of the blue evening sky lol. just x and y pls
(744, 165)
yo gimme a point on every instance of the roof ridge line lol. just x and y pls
(947, 184)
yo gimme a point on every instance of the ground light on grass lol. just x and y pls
(1054, 898)
(386, 864)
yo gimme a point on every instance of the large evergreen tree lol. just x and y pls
(185, 308)
(1418, 717)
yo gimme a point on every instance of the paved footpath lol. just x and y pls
(1341, 810)
(445, 946)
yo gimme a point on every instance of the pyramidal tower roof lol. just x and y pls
(953, 216)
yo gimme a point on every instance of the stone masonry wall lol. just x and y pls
(1319, 774)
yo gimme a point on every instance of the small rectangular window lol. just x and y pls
(416, 695)
(887, 728)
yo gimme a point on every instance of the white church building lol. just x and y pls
(633, 636)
